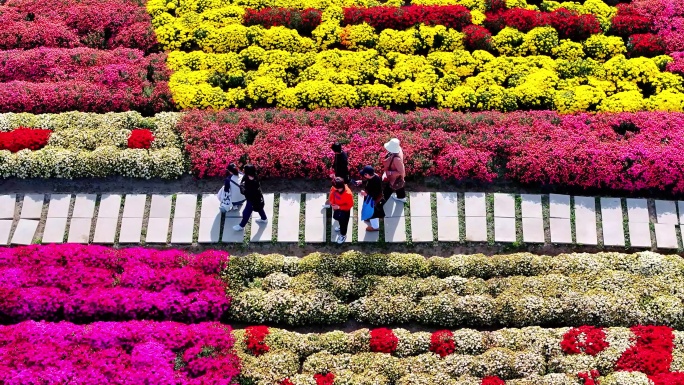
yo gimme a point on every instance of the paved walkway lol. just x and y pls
(429, 217)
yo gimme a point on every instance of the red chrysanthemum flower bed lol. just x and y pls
(140, 138)
(255, 339)
(383, 340)
(324, 379)
(286, 381)
(304, 21)
(452, 16)
(645, 44)
(492, 380)
(589, 378)
(24, 138)
(651, 353)
(584, 339)
(442, 343)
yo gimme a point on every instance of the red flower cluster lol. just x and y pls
(286, 381)
(304, 21)
(324, 379)
(442, 343)
(645, 44)
(140, 138)
(383, 340)
(651, 353)
(453, 16)
(589, 378)
(569, 24)
(255, 339)
(627, 22)
(477, 38)
(492, 380)
(672, 378)
(24, 138)
(584, 339)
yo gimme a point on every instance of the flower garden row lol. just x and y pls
(326, 289)
(93, 283)
(644, 355)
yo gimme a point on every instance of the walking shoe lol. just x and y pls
(326, 206)
(372, 229)
(237, 228)
(404, 200)
(341, 239)
(262, 220)
(337, 229)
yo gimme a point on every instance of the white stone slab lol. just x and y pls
(421, 228)
(131, 229)
(105, 230)
(315, 229)
(157, 230)
(585, 221)
(421, 205)
(54, 230)
(637, 210)
(447, 205)
(363, 235)
(84, 206)
(611, 210)
(263, 232)
(475, 205)
(210, 206)
(639, 234)
(504, 229)
(314, 206)
(59, 206)
(160, 206)
(559, 206)
(531, 205)
(288, 217)
(533, 230)
(666, 236)
(210, 229)
(5, 229)
(447, 229)
(350, 228)
(680, 204)
(613, 233)
(504, 205)
(230, 235)
(182, 230)
(7, 206)
(110, 206)
(476, 229)
(32, 207)
(394, 208)
(79, 230)
(395, 229)
(560, 230)
(666, 212)
(186, 206)
(24, 232)
(134, 205)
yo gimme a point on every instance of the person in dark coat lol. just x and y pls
(372, 186)
(251, 189)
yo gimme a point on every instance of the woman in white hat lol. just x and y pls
(395, 174)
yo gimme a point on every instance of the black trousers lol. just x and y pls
(387, 192)
(343, 219)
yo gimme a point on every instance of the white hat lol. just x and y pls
(393, 146)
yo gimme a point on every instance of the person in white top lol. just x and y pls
(231, 198)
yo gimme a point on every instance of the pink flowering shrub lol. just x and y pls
(677, 65)
(91, 283)
(668, 20)
(135, 352)
(626, 151)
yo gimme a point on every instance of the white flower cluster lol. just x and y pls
(95, 145)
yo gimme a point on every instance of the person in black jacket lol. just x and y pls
(340, 167)
(372, 186)
(251, 189)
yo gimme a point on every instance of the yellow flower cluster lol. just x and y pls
(456, 80)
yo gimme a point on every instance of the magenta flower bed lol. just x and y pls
(93, 283)
(135, 352)
(627, 151)
(75, 23)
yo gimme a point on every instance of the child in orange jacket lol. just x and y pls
(342, 201)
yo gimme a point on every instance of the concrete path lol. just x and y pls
(433, 217)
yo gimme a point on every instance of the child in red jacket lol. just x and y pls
(342, 201)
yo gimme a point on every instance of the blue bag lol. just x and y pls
(368, 208)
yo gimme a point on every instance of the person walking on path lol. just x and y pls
(372, 186)
(340, 167)
(395, 173)
(251, 189)
(231, 189)
(342, 201)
